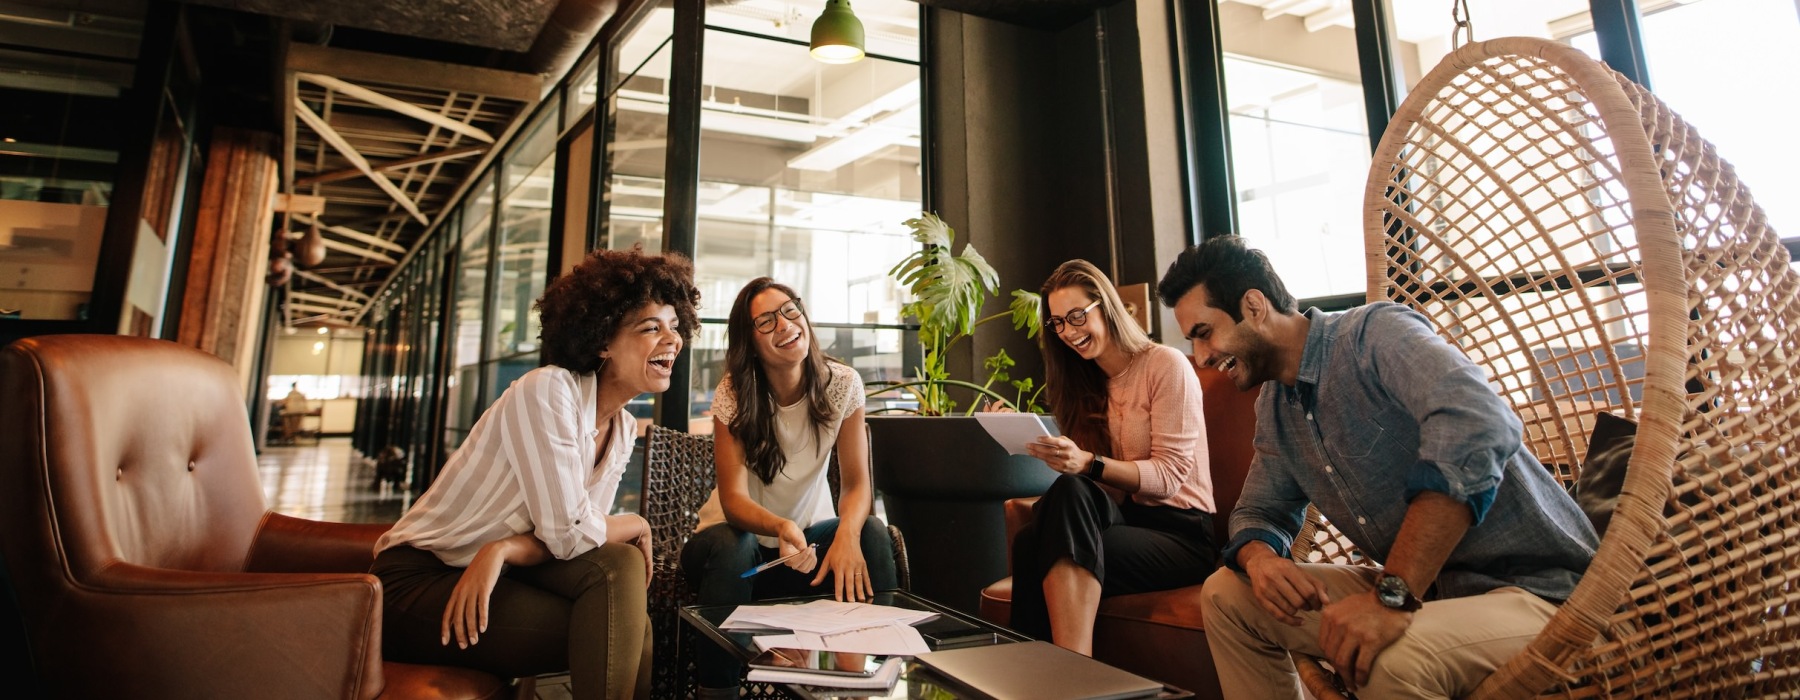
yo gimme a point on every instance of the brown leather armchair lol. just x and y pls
(142, 557)
(1162, 635)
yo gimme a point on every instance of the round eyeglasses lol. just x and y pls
(765, 322)
(1077, 317)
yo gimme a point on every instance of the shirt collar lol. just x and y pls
(1318, 345)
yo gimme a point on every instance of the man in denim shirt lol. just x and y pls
(1402, 444)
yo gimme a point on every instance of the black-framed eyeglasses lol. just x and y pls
(765, 322)
(1077, 317)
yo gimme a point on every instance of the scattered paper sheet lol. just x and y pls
(1013, 430)
(886, 640)
(820, 617)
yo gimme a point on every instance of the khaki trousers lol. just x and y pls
(1451, 646)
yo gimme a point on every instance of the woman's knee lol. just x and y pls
(876, 538)
(719, 547)
(616, 563)
(1068, 491)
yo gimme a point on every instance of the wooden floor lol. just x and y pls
(329, 481)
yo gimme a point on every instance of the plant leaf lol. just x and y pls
(1027, 313)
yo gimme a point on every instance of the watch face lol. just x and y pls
(1391, 591)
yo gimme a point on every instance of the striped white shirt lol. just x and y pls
(528, 466)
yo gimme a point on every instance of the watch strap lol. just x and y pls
(1095, 469)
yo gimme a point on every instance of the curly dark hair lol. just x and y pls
(583, 309)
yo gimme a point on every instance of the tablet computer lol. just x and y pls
(835, 663)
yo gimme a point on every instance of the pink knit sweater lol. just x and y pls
(1154, 414)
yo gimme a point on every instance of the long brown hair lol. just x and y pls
(1074, 387)
(754, 424)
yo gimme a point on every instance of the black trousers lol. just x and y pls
(1130, 547)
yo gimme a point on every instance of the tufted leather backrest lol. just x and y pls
(124, 449)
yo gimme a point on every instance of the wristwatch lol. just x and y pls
(1094, 469)
(1392, 592)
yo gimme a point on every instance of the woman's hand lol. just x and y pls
(644, 544)
(1060, 453)
(852, 572)
(794, 540)
(466, 616)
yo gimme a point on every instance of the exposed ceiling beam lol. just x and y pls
(355, 235)
(319, 309)
(353, 250)
(426, 159)
(314, 277)
(339, 302)
(343, 147)
(401, 106)
(383, 69)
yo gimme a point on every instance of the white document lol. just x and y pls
(886, 640)
(1013, 430)
(820, 617)
(883, 678)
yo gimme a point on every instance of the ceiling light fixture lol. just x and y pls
(837, 35)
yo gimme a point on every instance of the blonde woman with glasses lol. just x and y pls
(1132, 511)
(781, 409)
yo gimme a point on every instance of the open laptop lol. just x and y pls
(1037, 671)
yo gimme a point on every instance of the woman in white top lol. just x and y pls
(510, 563)
(781, 408)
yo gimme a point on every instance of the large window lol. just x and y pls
(61, 94)
(637, 123)
(1299, 140)
(1742, 101)
(807, 171)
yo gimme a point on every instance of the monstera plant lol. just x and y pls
(949, 291)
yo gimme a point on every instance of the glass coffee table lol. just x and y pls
(916, 680)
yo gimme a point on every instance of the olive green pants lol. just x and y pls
(584, 615)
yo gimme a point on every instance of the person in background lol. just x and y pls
(1401, 443)
(1132, 510)
(293, 411)
(781, 409)
(510, 562)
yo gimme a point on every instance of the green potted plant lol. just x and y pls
(943, 481)
(949, 291)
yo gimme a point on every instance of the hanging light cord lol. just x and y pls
(1464, 32)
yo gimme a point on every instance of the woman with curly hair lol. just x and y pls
(510, 563)
(781, 408)
(1132, 509)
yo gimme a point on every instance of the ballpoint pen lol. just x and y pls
(764, 566)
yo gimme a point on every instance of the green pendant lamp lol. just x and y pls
(837, 36)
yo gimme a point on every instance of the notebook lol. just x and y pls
(1037, 671)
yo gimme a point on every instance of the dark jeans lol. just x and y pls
(584, 615)
(715, 559)
(1130, 547)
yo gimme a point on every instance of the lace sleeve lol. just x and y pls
(845, 390)
(724, 403)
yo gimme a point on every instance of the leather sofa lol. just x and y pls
(140, 552)
(1162, 635)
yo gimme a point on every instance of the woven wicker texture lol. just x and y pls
(1591, 252)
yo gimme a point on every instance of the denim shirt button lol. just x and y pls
(1309, 415)
(1327, 469)
(1362, 520)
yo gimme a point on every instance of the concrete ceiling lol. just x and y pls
(508, 25)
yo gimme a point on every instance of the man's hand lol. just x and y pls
(1354, 631)
(1280, 586)
(466, 616)
(794, 540)
(852, 573)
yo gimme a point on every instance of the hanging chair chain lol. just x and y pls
(1464, 32)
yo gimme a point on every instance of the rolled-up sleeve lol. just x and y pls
(540, 432)
(1466, 431)
(1177, 427)
(1270, 510)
